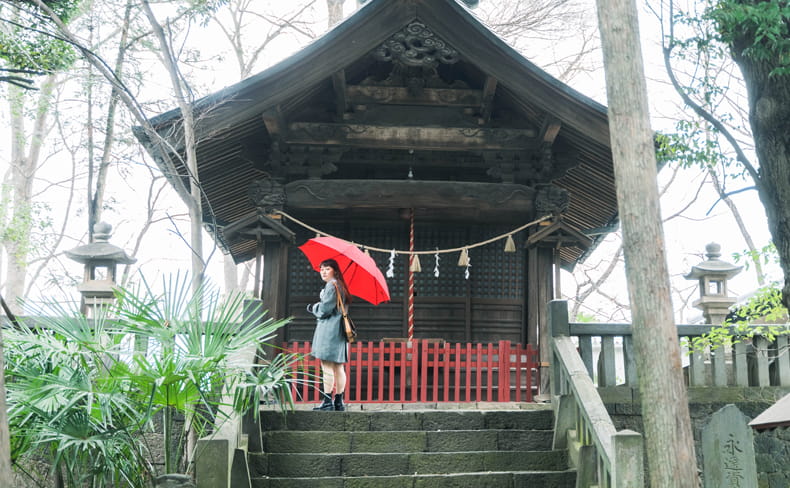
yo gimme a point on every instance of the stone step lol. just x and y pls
(283, 441)
(395, 464)
(508, 479)
(400, 420)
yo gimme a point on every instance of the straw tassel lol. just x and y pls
(463, 259)
(510, 246)
(367, 253)
(415, 264)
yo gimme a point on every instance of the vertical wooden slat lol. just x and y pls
(629, 362)
(460, 367)
(391, 365)
(504, 371)
(438, 382)
(490, 373)
(403, 370)
(740, 364)
(586, 352)
(442, 362)
(697, 368)
(761, 345)
(359, 349)
(414, 364)
(371, 372)
(718, 365)
(424, 371)
(479, 372)
(348, 369)
(783, 360)
(518, 366)
(379, 361)
(470, 367)
(608, 373)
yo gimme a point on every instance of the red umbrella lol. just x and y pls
(362, 276)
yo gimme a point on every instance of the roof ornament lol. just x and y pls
(416, 46)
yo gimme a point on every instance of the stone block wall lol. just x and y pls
(771, 447)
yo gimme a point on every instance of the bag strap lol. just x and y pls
(339, 300)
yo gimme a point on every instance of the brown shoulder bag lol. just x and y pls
(347, 326)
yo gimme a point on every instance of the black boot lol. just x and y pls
(339, 405)
(326, 404)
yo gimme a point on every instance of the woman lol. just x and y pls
(329, 343)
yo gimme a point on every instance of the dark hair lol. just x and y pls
(331, 263)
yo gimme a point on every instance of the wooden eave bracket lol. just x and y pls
(274, 121)
(489, 90)
(560, 232)
(257, 224)
(341, 97)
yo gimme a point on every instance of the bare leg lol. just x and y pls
(328, 370)
(340, 377)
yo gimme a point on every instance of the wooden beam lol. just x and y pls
(340, 194)
(398, 95)
(549, 130)
(410, 137)
(489, 90)
(341, 100)
(548, 134)
(275, 123)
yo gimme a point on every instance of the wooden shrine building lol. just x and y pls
(407, 104)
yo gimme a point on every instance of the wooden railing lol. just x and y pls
(603, 456)
(398, 371)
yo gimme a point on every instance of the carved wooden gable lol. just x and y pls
(408, 103)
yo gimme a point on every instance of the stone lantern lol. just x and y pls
(713, 274)
(101, 260)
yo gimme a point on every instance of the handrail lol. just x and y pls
(759, 362)
(603, 456)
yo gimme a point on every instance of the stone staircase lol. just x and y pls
(410, 448)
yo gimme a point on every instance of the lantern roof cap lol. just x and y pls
(100, 249)
(713, 266)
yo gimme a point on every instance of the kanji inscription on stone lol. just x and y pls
(728, 451)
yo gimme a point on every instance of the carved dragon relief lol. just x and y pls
(266, 193)
(551, 199)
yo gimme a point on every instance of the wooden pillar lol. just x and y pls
(274, 286)
(540, 289)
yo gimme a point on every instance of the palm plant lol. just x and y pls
(85, 394)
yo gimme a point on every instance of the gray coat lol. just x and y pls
(329, 343)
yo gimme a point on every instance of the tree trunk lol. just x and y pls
(335, 11)
(668, 436)
(96, 202)
(194, 202)
(736, 214)
(24, 163)
(769, 111)
(6, 475)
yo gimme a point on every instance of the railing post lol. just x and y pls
(782, 360)
(564, 420)
(558, 318)
(558, 326)
(628, 455)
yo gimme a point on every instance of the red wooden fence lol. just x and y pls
(426, 371)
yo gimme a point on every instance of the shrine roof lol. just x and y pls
(239, 127)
